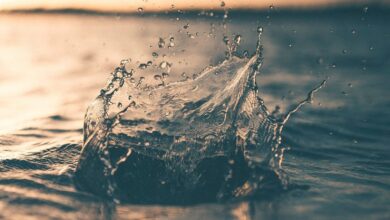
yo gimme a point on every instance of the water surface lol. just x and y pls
(53, 66)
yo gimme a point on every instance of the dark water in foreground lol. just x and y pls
(52, 66)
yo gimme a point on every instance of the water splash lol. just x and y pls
(206, 139)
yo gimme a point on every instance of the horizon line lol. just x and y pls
(79, 10)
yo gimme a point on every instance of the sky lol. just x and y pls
(157, 5)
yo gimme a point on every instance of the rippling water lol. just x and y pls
(52, 67)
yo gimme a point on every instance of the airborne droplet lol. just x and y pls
(142, 66)
(171, 42)
(124, 62)
(226, 40)
(237, 39)
(161, 43)
(163, 65)
(165, 75)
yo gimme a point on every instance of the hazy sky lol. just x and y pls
(152, 5)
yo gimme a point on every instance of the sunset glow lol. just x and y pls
(157, 5)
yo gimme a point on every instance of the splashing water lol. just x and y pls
(203, 139)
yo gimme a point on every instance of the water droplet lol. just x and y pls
(186, 26)
(157, 77)
(271, 7)
(165, 75)
(155, 55)
(149, 63)
(237, 39)
(226, 40)
(371, 48)
(140, 10)
(355, 141)
(142, 66)
(353, 31)
(290, 45)
(246, 53)
(141, 79)
(118, 74)
(365, 9)
(344, 51)
(129, 97)
(119, 105)
(259, 29)
(350, 85)
(161, 43)
(163, 65)
(223, 4)
(124, 62)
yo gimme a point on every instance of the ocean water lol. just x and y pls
(52, 66)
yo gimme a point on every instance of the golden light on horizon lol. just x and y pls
(158, 5)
